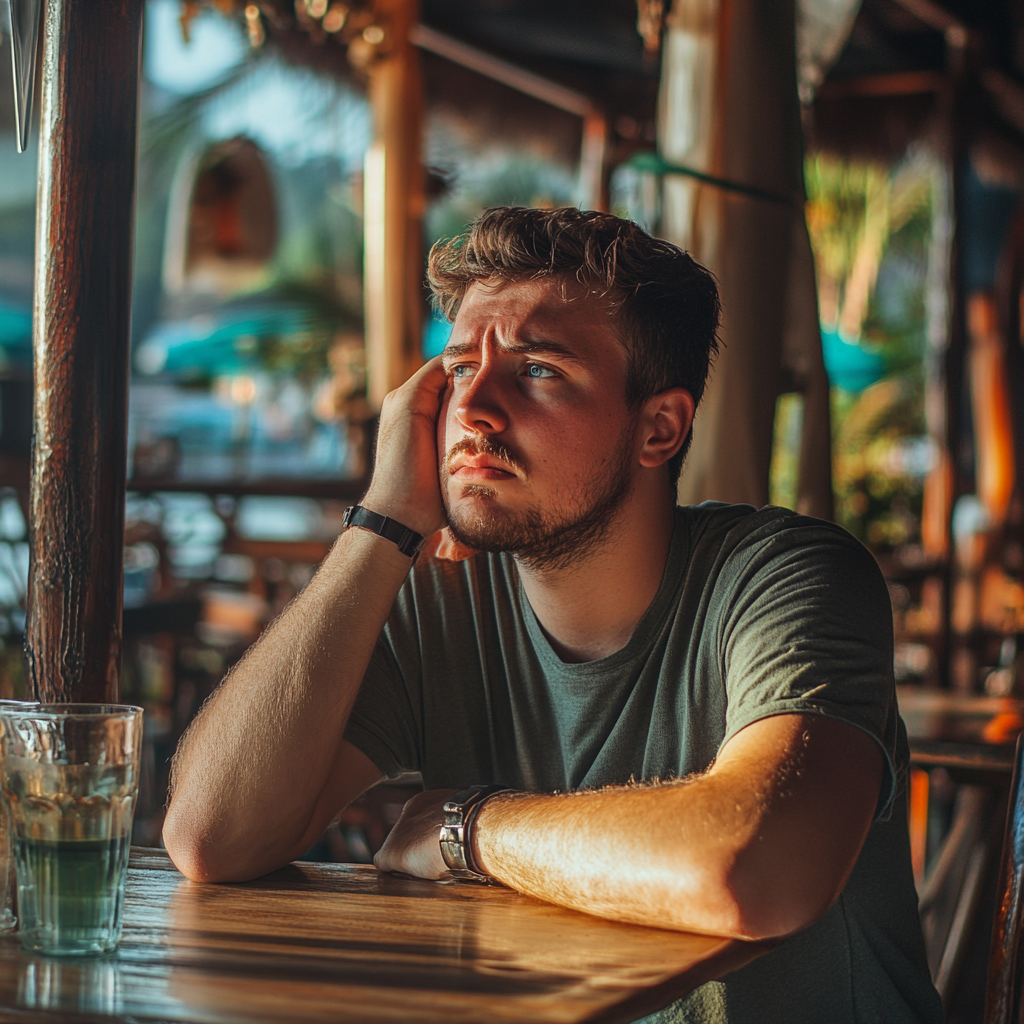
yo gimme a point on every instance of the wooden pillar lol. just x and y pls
(393, 205)
(593, 186)
(84, 239)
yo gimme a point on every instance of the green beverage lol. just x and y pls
(70, 893)
(70, 777)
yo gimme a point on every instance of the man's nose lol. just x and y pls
(478, 403)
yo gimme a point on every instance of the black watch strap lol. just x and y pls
(456, 833)
(409, 541)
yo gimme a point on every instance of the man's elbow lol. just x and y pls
(186, 853)
(194, 855)
(774, 907)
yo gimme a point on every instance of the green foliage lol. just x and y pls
(784, 472)
(304, 354)
(875, 500)
(479, 181)
(165, 133)
(870, 230)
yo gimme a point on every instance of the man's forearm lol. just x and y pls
(252, 781)
(758, 847)
(608, 853)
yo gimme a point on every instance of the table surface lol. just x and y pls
(337, 942)
(961, 731)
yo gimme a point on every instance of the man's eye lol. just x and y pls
(460, 371)
(537, 371)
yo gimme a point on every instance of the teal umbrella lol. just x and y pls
(15, 324)
(850, 366)
(225, 341)
(15, 334)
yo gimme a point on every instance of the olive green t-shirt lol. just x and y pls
(759, 613)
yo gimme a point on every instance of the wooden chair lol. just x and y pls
(951, 896)
(1003, 1001)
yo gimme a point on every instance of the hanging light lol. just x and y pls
(23, 29)
(254, 24)
(334, 19)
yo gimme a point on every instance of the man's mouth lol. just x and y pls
(479, 468)
(481, 459)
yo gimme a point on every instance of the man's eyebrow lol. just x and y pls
(517, 348)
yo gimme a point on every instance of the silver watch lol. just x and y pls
(456, 845)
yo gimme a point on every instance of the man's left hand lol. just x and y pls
(414, 845)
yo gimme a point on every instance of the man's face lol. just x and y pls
(536, 444)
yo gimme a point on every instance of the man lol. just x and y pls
(693, 708)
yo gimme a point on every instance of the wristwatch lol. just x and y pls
(409, 541)
(456, 832)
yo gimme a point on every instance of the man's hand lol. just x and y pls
(265, 767)
(405, 482)
(414, 845)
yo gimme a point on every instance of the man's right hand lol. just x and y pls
(265, 767)
(405, 475)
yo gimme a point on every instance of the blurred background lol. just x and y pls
(893, 143)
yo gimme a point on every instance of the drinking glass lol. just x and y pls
(7, 918)
(71, 779)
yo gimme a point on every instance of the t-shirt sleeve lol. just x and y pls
(809, 631)
(385, 723)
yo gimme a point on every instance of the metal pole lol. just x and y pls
(84, 239)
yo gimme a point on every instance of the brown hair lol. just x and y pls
(666, 303)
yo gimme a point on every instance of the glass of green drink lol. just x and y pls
(70, 776)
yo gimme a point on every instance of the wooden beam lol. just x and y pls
(593, 186)
(393, 206)
(498, 70)
(84, 240)
(936, 17)
(1007, 95)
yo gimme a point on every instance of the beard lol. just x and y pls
(543, 539)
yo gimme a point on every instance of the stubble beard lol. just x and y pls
(544, 540)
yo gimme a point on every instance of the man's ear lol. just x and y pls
(665, 422)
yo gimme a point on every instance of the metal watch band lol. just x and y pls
(409, 541)
(456, 832)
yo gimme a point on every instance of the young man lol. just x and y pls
(692, 709)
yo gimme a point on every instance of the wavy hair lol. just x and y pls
(666, 304)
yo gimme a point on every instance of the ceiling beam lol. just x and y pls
(502, 71)
(592, 191)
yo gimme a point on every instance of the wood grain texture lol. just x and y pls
(333, 942)
(84, 240)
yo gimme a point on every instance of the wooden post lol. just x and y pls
(84, 238)
(393, 205)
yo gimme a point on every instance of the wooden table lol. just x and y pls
(974, 736)
(336, 942)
